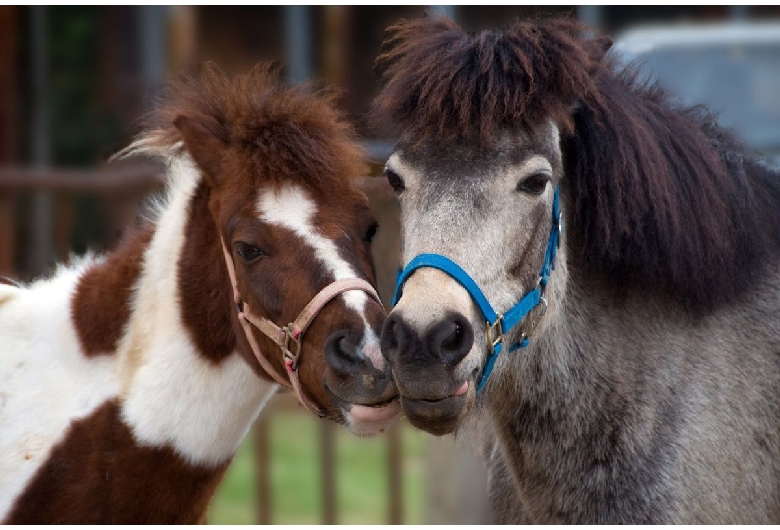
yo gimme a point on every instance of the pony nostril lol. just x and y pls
(455, 339)
(341, 353)
(339, 345)
(452, 339)
(393, 332)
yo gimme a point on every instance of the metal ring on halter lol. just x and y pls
(295, 337)
(534, 322)
(494, 332)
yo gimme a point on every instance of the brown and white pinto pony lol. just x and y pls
(126, 382)
(649, 390)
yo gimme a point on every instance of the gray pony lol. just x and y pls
(644, 386)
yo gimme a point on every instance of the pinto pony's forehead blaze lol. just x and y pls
(440, 82)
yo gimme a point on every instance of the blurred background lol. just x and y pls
(74, 80)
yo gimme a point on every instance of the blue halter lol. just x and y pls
(497, 325)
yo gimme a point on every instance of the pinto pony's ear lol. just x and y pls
(204, 143)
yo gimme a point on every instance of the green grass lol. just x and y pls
(361, 475)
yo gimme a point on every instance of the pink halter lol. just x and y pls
(289, 337)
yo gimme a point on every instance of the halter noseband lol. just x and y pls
(497, 325)
(289, 337)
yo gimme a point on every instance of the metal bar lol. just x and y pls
(41, 247)
(447, 11)
(153, 45)
(297, 25)
(738, 13)
(592, 16)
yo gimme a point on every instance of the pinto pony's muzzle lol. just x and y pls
(290, 337)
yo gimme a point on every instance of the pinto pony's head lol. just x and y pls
(275, 194)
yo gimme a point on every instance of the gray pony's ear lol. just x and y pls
(599, 46)
(204, 144)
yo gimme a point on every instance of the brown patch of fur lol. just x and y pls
(659, 197)
(206, 298)
(101, 303)
(99, 475)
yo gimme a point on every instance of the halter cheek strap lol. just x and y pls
(289, 337)
(497, 325)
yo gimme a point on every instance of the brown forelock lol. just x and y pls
(440, 82)
(277, 132)
(101, 303)
(99, 475)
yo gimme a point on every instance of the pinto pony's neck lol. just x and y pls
(168, 398)
(180, 340)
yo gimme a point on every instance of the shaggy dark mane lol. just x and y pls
(288, 132)
(660, 197)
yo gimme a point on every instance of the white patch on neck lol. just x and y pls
(291, 208)
(172, 395)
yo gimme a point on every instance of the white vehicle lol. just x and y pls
(733, 68)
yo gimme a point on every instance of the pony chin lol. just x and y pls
(441, 416)
(367, 421)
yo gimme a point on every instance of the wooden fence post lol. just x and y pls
(328, 476)
(395, 475)
(263, 468)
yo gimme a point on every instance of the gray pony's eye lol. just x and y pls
(535, 184)
(395, 181)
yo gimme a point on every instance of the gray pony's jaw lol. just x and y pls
(435, 417)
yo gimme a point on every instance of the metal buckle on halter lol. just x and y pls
(494, 332)
(535, 322)
(289, 335)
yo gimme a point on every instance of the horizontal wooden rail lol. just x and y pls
(34, 179)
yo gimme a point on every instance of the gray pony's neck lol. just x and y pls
(568, 409)
(632, 410)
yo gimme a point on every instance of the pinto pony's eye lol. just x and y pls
(371, 232)
(248, 252)
(396, 182)
(535, 184)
